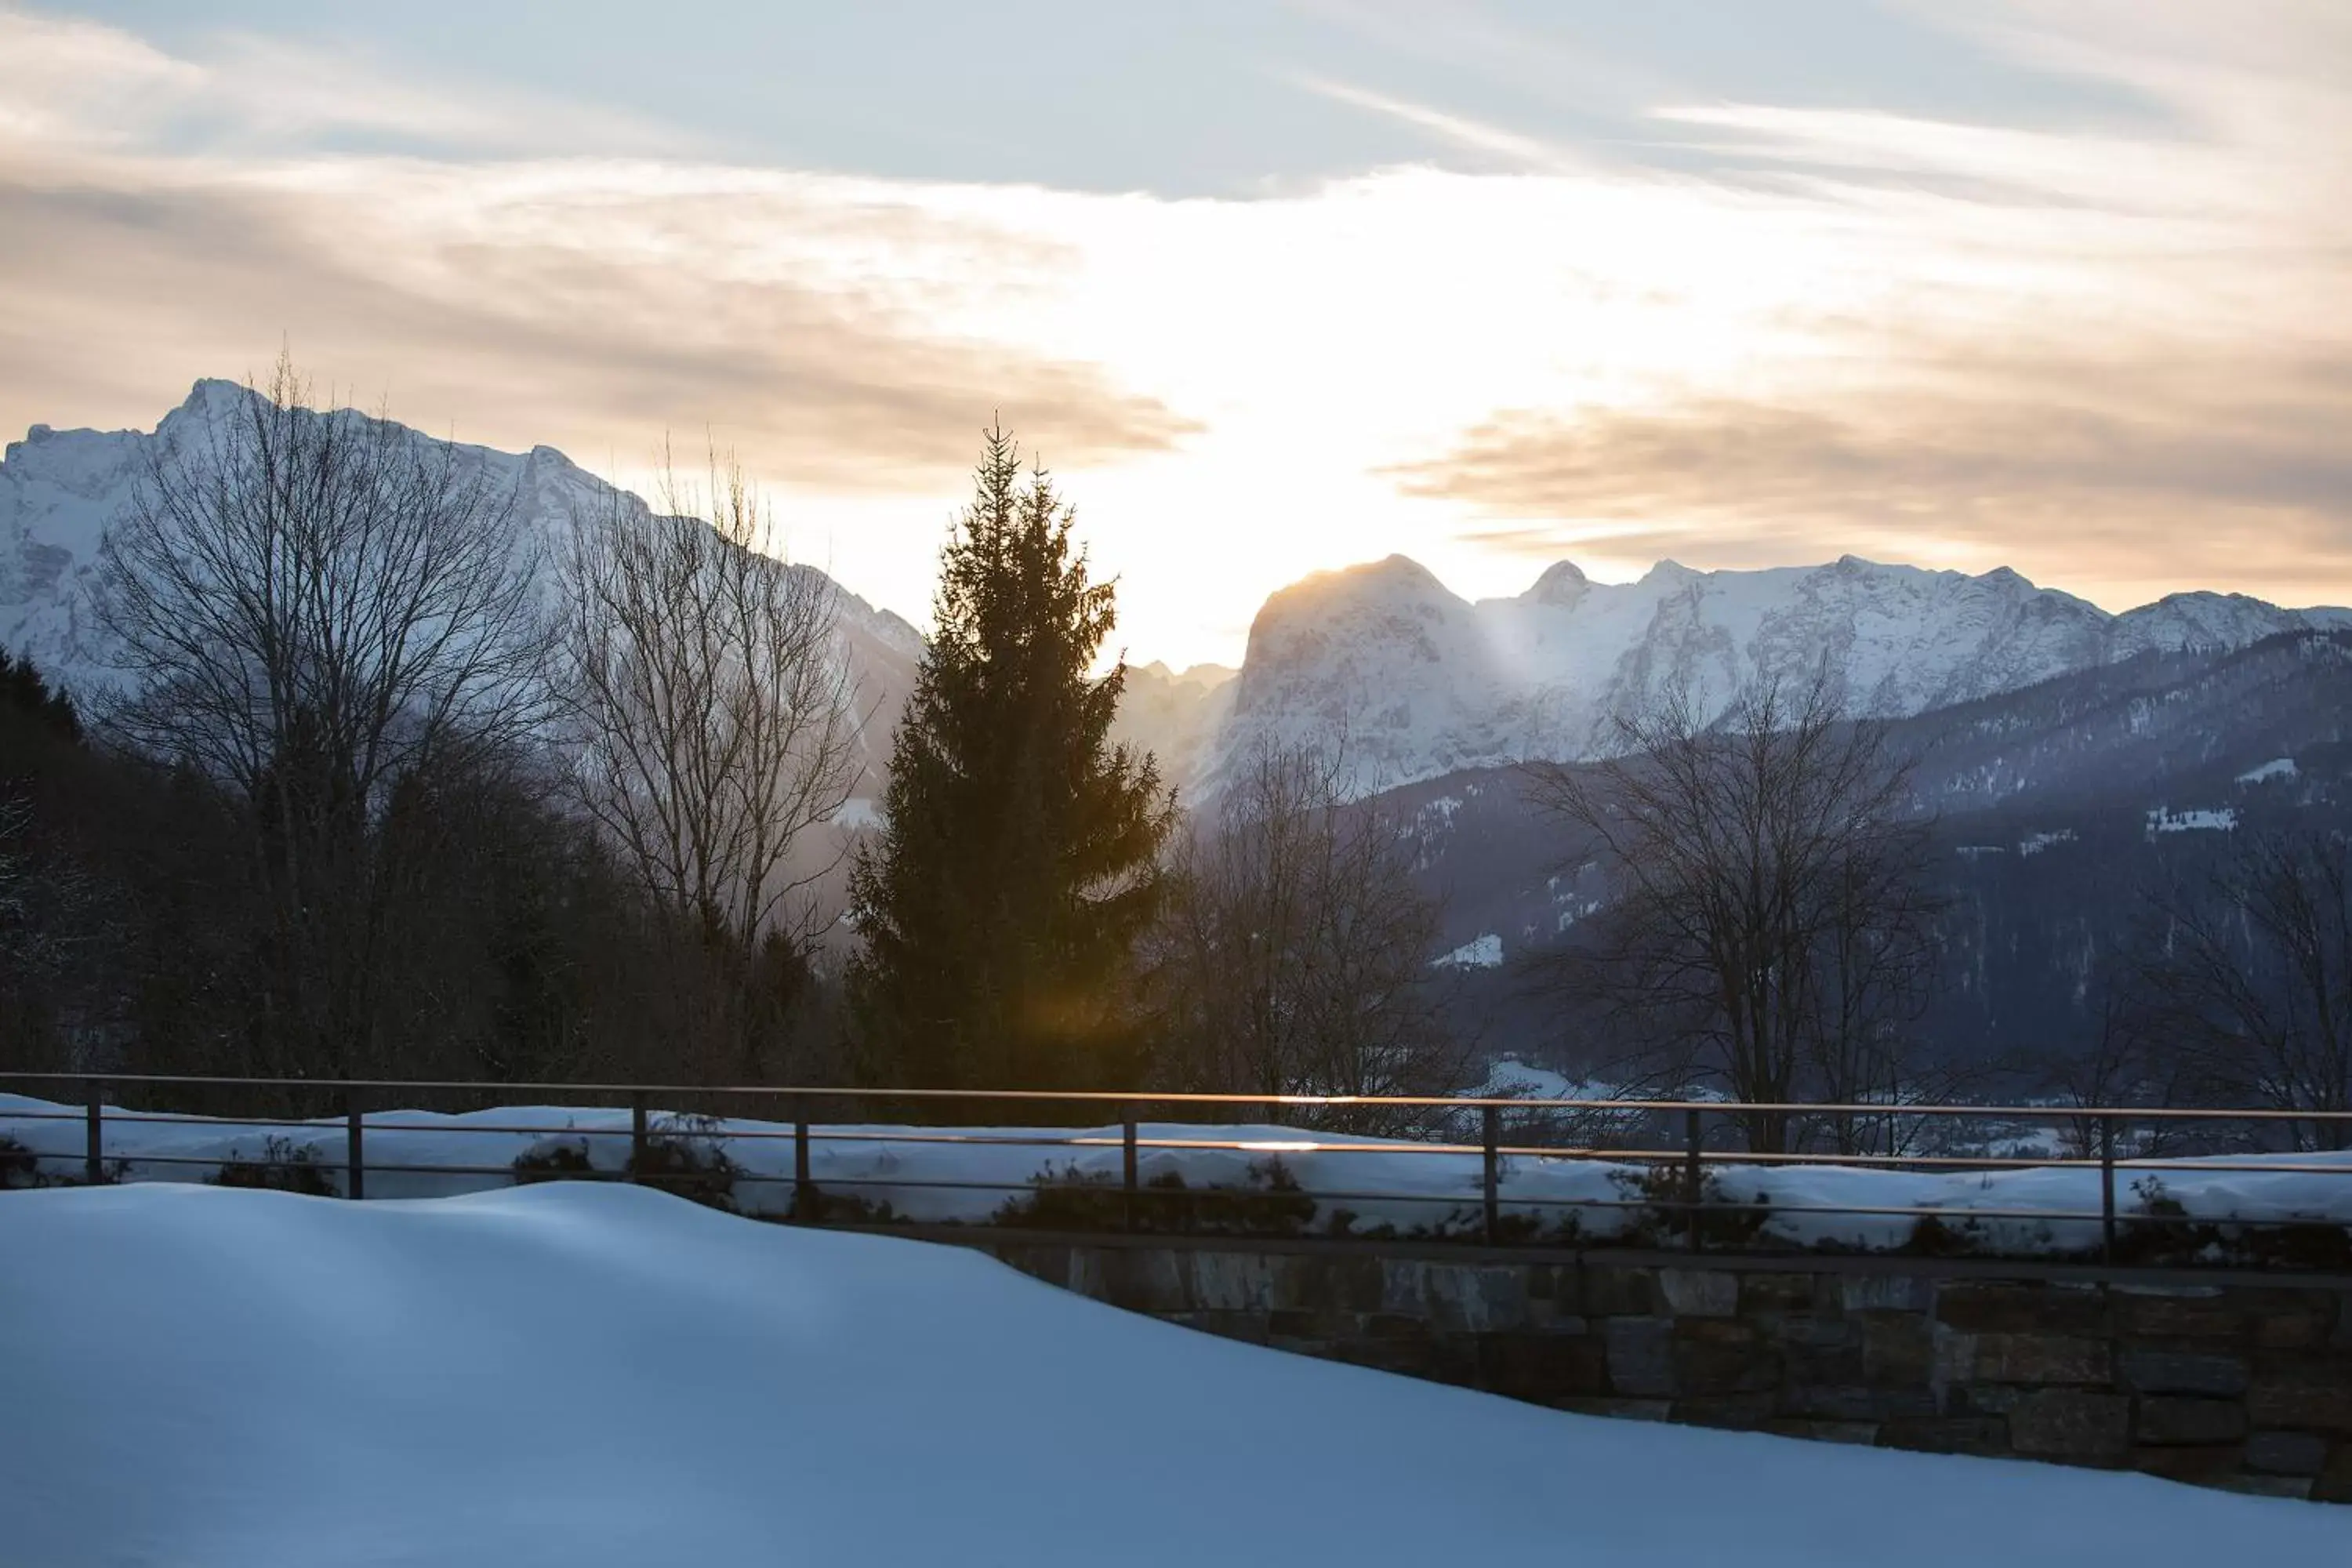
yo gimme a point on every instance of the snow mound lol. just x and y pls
(602, 1375)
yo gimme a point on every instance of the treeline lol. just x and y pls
(395, 786)
(1774, 927)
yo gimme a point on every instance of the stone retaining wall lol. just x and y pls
(2231, 1385)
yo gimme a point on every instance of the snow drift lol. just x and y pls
(593, 1375)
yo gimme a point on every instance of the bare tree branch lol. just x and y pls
(1767, 931)
(1295, 955)
(713, 704)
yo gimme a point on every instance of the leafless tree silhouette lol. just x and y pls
(1768, 931)
(712, 706)
(1295, 955)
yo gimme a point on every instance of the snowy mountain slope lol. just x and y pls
(60, 488)
(1174, 714)
(599, 1375)
(2059, 805)
(1419, 682)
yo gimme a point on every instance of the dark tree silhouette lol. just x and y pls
(2246, 979)
(1767, 931)
(1294, 955)
(320, 611)
(1000, 904)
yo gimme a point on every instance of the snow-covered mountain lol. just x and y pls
(60, 488)
(1175, 714)
(1418, 682)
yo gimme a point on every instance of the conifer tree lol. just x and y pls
(1019, 862)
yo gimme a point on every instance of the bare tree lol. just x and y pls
(2118, 1063)
(714, 706)
(1295, 955)
(314, 609)
(2247, 979)
(1767, 930)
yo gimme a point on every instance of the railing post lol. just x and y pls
(1126, 1163)
(637, 1135)
(354, 1159)
(1490, 1130)
(93, 1169)
(804, 1204)
(2107, 1189)
(1693, 1176)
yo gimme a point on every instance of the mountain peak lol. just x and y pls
(1562, 583)
(1390, 577)
(213, 393)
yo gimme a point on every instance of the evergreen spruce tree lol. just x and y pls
(999, 905)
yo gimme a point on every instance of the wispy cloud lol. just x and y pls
(79, 83)
(1508, 147)
(2121, 358)
(837, 326)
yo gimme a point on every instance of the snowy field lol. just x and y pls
(600, 1376)
(1355, 1185)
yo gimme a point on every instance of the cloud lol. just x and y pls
(2116, 352)
(1509, 148)
(2120, 357)
(840, 330)
(2164, 465)
(79, 83)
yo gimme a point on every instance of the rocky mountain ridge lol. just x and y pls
(1416, 682)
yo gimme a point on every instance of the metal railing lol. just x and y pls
(1677, 1188)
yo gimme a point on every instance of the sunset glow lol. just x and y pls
(2104, 336)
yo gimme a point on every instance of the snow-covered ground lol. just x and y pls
(930, 1175)
(604, 1377)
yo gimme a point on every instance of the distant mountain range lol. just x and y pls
(2069, 751)
(1422, 683)
(60, 488)
(2058, 808)
(1416, 681)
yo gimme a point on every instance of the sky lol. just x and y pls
(1271, 286)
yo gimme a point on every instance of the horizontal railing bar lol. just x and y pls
(1467, 1202)
(2191, 1164)
(1152, 1097)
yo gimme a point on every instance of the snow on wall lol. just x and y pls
(418, 1155)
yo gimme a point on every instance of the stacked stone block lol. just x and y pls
(2232, 1386)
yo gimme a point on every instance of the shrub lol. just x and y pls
(841, 1208)
(1271, 1202)
(19, 1166)
(683, 1156)
(1934, 1237)
(1665, 1217)
(2162, 1233)
(284, 1167)
(558, 1160)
